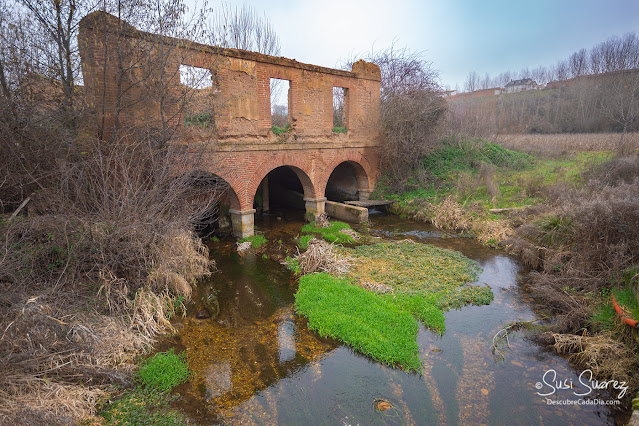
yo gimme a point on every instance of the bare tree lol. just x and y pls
(472, 82)
(486, 82)
(411, 109)
(243, 28)
(58, 21)
(619, 99)
(578, 63)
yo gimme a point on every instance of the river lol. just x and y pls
(256, 362)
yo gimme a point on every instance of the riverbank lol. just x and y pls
(81, 301)
(574, 219)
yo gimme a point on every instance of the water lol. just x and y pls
(257, 362)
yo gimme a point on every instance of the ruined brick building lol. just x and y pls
(122, 65)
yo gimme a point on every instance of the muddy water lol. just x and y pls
(256, 361)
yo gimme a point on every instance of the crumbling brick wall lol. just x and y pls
(133, 77)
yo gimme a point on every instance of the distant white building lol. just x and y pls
(520, 85)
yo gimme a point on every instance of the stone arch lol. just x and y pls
(361, 167)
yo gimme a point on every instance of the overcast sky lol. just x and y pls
(457, 36)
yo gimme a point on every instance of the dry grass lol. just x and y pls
(552, 145)
(58, 360)
(604, 356)
(322, 221)
(87, 289)
(321, 256)
(57, 334)
(449, 214)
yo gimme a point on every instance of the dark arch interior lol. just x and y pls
(342, 184)
(211, 197)
(281, 189)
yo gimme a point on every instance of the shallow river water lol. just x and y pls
(256, 362)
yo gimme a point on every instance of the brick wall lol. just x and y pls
(128, 74)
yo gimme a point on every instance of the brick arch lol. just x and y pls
(294, 164)
(230, 193)
(363, 171)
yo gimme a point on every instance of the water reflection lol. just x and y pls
(257, 362)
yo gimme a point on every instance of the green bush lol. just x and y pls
(281, 130)
(163, 371)
(338, 129)
(455, 156)
(203, 120)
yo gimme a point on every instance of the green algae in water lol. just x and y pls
(423, 281)
(364, 320)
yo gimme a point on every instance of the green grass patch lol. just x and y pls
(605, 317)
(338, 129)
(149, 402)
(627, 298)
(257, 240)
(163, 371)
(302, 242)
(331, 234)
(426, 281)
(364, 320)
(421, 269)
(454, 169)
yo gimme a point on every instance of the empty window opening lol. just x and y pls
(339, 109)
(196, 78)
(280, 105)
(198, 96)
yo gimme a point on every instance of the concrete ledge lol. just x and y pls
(345, 212)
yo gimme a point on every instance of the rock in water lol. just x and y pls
(382, 405)
(202, 313)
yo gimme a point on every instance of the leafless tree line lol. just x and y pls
(614, 54)
(592, 104)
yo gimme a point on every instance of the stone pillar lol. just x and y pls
(265, 201)
(243, 222)
(314, 208)
(364, 194)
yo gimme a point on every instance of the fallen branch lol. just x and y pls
(19, 209)
(498, 339)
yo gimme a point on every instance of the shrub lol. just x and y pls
(281, 130)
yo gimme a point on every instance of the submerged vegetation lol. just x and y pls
(389, 285)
